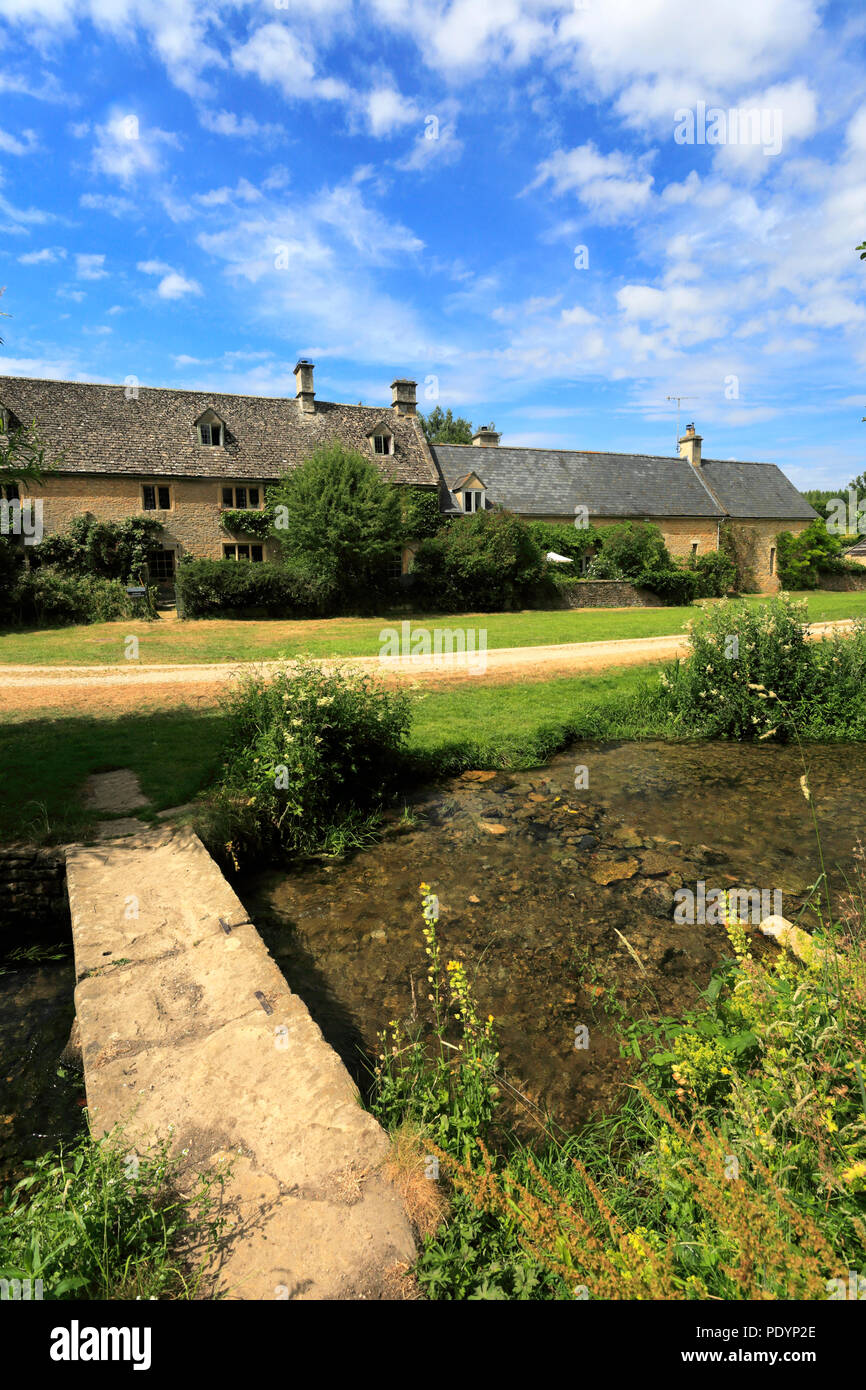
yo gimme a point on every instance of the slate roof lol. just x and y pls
(96, 429)
(551, 482)
(756, 490)
(858, 549)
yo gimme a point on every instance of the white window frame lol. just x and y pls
(211, 425)
(477, 493)
(388, 442)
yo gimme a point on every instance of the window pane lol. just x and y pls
(228, 552)
(12, 493)
(215, 433)
(254, 497)
(257, 552)
(164, 499)
(205, 434)
(240, 497)
(228, 500)
(148, 498)
(243, 552)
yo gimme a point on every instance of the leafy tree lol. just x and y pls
(339, 522)
(486, 561)
(423, 513)
(800, 558)
(442, 427)
(102, 549)
(563, 539)
(635, 547)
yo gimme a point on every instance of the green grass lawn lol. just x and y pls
(176, 753)
(227, 640)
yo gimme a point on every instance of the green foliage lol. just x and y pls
(95, 1222)
(753, 675)
(47, 597)
(103, 549)
(801, 558)
(442, 427)
(339, 523)
(211, 588)
(309, 757)
(571, 541)
(735, 542)
(423, 514)
(248, 523)
(635, 547)
(603, 566)
(482, 562)
(717, 574)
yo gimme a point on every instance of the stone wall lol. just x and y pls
(841, 583)
(33, 902)
(607, 593)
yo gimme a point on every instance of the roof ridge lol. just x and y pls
(182, 391)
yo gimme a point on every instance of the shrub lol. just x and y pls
(572, 541)
(740, 653)
(735, 541)
(47, 597)
(486, 562)
(206, 588)
(309, 759)
(636, 548)
(423, 513)
(802, 558)
(674, 585)
(717, 574)
(604, 566)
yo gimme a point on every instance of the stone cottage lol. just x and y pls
(689, 498)
(189, 458)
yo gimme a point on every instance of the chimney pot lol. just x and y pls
(403, 395)
(486, 437)
(304, 386)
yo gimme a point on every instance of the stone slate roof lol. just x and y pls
(96, 429)
(756, 490)
(551, 482)
(858, 549)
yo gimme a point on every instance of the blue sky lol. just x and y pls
(196, 194)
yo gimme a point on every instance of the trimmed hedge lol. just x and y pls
(49, 598)
(211, 588)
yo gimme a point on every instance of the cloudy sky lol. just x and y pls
(500, 198)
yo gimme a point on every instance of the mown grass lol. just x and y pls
(220, 640)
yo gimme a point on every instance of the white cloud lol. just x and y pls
(90, 267)
(275, 55)
(172, 284)
(127, 148)
(613, 186)
(12, 144)
(238, 127)
(47, 256)
(386, 111)
(436, 147)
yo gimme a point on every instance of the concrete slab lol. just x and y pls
(191, 1030)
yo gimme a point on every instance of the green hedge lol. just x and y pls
(49, 598)
(211, 588)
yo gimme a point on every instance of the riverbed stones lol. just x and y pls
(477, 776)
(493, 827)
(604, 871)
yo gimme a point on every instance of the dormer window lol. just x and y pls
(383, 444)
(473, 500)
(211, 430)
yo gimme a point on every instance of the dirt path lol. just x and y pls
(113, 689)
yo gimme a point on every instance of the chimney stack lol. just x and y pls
(403, 396)
(690, 446)
(486, 437)
(304, 386)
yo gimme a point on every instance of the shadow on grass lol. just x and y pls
(44, 764)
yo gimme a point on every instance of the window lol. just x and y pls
(772, 559)
(255, 553)
(383, 444)
(161, 565)
(695, 547)
(242, 498)
(395, 567)
(10, 492)
(155, 497)
(473, 500)
(211, 434)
